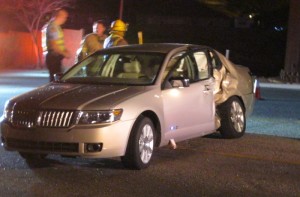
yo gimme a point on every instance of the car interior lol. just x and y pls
(131, 70)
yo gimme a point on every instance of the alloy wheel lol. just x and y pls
(237, 116)
(146, 143)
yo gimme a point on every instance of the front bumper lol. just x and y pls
(112, 138)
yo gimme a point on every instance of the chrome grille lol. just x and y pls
(55, 118)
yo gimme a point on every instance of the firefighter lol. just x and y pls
(56, 49)
(93, 41)
(117, 33)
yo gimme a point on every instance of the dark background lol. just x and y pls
(259, 43)
(258, 46)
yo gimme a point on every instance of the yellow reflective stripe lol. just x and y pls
(116, 39)
(60, 41)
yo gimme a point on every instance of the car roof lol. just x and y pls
(150, 47)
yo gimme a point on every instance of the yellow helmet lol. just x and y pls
(118, 25)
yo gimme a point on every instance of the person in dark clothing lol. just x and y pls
(93, 41)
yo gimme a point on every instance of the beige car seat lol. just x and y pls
(132, 70)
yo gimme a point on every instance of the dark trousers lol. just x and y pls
(54, 64)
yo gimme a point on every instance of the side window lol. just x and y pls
(185, 69)
(181, 66)
(215, 61)
(202, 65)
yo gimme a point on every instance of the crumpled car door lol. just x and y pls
(189, 111)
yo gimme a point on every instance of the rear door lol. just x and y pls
(188, 111)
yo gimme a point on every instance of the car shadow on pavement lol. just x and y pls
(42, 163)
(184, 149)
(215, 135)
(56, 161)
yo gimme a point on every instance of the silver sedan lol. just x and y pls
(124, 101)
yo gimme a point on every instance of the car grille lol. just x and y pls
(50, 118)
(42, 146)
(45, 118)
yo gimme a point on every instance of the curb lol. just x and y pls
(280, 86)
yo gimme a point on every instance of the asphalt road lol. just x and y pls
(254, 165)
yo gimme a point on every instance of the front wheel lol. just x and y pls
(233, 120)
(140, 145)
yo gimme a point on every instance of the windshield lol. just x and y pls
(119, 68)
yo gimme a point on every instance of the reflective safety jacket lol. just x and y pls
(54, 32)
(114, 40)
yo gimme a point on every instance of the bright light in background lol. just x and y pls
(278, 28)
(252, 15)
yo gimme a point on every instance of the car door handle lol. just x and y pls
(206, 89)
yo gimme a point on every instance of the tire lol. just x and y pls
(140, 145)
(233, 119)
(31, 156)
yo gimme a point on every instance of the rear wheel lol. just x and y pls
(233, 120)
(140, 145)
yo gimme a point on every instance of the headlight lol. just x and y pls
(7, 112)
(97, 117)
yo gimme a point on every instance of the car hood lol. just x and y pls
(76, 96)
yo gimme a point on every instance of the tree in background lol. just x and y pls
(32, 14)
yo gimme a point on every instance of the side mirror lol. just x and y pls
(57, 77)
(179, 82)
